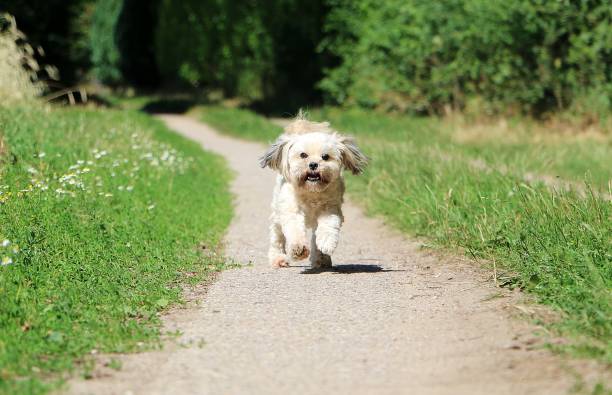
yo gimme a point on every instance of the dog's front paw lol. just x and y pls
(327, 243)
(298, 252)
(279, 261)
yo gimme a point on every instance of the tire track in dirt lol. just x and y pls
(391, 318)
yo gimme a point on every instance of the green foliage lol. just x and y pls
(249, 49)
(121, 42)
(214, 43)
(556, 245)
(101, 213)
(420, 56)
(104, 51)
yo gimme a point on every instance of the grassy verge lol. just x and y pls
(239, 123)
(517, 147)
(101, 214)
(556, 245)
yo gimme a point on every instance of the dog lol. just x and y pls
(310, 158)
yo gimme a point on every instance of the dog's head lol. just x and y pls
(313, 156)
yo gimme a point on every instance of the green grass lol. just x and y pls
(556, 245)
(520, 147)
(102, 212)
(239, 123)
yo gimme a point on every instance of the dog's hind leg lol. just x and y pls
(318, 259)
(276, 253)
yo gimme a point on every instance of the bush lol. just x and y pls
(121, 41)
(104, 51)
(250, 49)
(214, 43)
(526, 55)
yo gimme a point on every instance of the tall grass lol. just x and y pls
(18, 67)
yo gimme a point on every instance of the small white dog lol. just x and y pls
(309, 157)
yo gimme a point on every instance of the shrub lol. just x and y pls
(104, 51)
(251, 49)
(121, 41)
(526, 55)
(213, 43)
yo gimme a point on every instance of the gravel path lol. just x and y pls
(390, 319)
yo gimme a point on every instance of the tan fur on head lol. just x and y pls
(301, 125)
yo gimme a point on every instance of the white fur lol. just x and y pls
(299, 202)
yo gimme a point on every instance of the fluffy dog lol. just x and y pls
(309, 158)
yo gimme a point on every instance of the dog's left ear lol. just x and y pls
(273, 157)
(352, 157)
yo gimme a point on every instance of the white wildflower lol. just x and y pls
(41, 154)
(6, 243)
(151, 207)
(7, 260)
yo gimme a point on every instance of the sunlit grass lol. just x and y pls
(518, 148)
(239, 123)
(101, 213)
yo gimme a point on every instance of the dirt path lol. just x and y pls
(390, 319)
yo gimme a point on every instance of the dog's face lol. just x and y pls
(313, 161)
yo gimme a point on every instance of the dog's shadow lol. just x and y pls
(348, 269)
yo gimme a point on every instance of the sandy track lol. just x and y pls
(390, 319)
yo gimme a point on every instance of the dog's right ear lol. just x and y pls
(273, 158)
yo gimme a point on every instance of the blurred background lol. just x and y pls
(535, 57)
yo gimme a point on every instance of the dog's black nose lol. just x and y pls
(313, 165)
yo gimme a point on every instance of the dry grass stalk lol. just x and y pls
(18, 66)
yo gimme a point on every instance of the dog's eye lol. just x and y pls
(303, 155)
(325, 157)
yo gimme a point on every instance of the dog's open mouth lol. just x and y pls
(313, 176)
